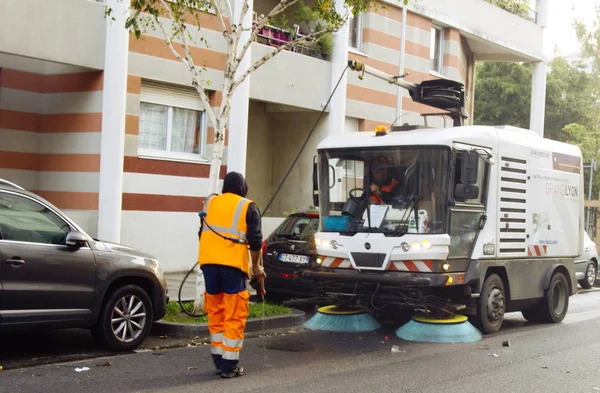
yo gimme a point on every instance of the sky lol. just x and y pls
(560, 32)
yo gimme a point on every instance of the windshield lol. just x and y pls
(395, 190)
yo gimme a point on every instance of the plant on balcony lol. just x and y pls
(181, 24)
(311, 20)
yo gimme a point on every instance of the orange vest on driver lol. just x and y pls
(226, 214)
(387, 188)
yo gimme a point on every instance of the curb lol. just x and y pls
(293, 319)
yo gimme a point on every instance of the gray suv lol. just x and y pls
(53, 275)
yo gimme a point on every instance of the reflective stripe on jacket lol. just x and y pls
(226, 214)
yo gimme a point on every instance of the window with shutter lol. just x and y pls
(172, 122)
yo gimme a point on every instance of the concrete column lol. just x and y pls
(112, 147)
(538, 84)
(238, 116)
(339, 60)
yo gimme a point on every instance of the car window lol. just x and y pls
(22, 219)
(298, 228)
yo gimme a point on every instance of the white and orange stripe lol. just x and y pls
(336, 263)
(537, 251)
(412, 266)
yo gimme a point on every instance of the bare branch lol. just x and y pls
(298, 41)
(222, 21)
(187, 61)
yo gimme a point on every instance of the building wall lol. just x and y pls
(50, 125)
(373, 100)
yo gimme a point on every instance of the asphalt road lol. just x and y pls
(541, 358)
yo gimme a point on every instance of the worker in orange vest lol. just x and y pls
(383, 186)
(231, 236)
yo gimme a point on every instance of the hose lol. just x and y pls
(202, 217)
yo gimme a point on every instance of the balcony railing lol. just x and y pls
(520, 8)
(277, 36)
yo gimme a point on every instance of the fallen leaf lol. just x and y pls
(494, 355)
(506, 343)
(105, 364)
(483, 347)
(163, 337)
(291, 331)
(0, 368)
(192, 368)
(545, 368)
(82, 369)
(596, 389)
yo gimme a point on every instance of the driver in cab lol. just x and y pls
(383, 186)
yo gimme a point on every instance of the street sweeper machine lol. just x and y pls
(466, 220)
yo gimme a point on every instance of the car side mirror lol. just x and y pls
(463, 192)
(76, 239)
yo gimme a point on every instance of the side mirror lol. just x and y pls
(470, 167)
(76, 239)
(462, 192)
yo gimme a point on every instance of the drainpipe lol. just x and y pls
(401, 63)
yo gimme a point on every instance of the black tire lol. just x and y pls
(491, 305)
(553, 308)
(124, 335)
(590, 276)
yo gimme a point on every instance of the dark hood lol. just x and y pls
(236, 184)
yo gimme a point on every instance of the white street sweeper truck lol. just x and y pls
(474, 220)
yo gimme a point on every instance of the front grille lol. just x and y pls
(366, 259)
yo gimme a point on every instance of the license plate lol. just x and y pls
(293, 258)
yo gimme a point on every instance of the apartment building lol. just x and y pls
(72, 84)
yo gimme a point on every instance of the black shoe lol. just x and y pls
(218, 372)
(236, 372)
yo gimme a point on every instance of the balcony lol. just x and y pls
(294, 23)
(63, 31)
(521, 8)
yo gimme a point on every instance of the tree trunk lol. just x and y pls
(213, 182)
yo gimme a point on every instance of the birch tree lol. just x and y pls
(180, 23)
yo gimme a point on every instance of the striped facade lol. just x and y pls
(51, 122)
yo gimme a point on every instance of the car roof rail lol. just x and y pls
(9, 184)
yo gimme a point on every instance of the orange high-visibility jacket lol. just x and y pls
(387, 188)
(226, 214)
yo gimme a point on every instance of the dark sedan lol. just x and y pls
(288, 251)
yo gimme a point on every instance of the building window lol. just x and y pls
(436, 50)
(172, 123)
(355, 33)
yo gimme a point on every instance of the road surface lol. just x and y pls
(541, 358)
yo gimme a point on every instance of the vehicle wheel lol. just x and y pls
(555, 304)
(491, 305)
(125, 319)
(590, 276)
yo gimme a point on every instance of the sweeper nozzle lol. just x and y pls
(343, 318)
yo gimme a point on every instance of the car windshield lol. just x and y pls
(298, 228)
(392, 190)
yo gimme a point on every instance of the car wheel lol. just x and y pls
(590, 276)
(553, 308)
(491, 305)
(125, 319)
